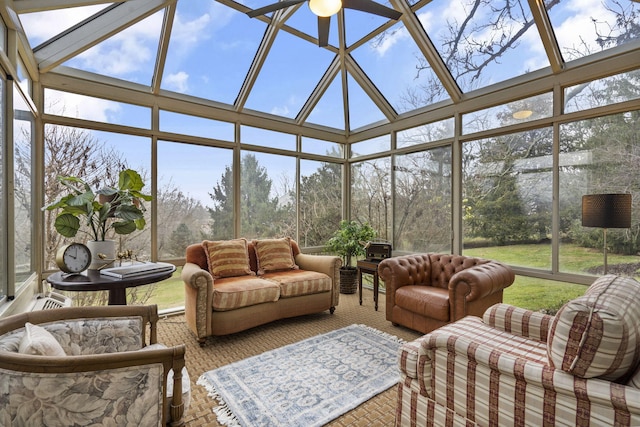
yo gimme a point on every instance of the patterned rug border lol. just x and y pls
(226, 417)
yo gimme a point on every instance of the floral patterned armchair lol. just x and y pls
(101, 378)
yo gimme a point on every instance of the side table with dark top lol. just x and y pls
(92, 280)
(369, 267)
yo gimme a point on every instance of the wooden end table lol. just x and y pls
(369, 267)
(92, 280)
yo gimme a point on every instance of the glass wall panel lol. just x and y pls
(299, 73)
(320, 201)
(196, 126)
(72, 105)
(97, 157)
(582, 31)
(414, 84)
(210, 51)
(599, 155)
(371, 195)
(371, 146)
(483, 42)
(195, 183)
(24, 81)
(325, 148)
(523, 110)
(426, 133)
(267, 138)
(598, 93)
(23, 128)
(422, 204)
(267, 191)
(507, 196)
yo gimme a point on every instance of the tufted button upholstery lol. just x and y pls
(426, 291)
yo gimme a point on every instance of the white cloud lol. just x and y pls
(579, 27)
(178, 81)
(280, 111)
(128, 51)
(188, 33)
(390, 38)
(79, 106)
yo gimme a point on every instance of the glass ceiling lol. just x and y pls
(373, 69)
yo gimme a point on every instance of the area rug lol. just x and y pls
(308, 383)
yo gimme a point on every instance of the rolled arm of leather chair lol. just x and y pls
(481, 280)
(474, 283)
(198, 299)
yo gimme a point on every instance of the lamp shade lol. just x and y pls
(606, 210)
(325, 8)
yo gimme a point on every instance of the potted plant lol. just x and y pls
(120, 209)
(348, 241)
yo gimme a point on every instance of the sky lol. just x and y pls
(212, 47)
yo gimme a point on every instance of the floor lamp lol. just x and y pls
(606, 211)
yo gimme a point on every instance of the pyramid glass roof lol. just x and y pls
(373, 69)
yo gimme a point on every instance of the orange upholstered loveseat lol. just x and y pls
(225, 296)
(427, 291)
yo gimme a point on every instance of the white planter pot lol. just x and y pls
(103, 252)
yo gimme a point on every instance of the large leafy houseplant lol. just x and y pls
(120, 208)
(349, 239)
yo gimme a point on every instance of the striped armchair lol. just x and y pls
(515, 367)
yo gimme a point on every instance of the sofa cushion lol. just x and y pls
(294, 283)
(228, 258)
(38, 341)
(274, 255)
(235, 292)
(424, 299)
(596, 335)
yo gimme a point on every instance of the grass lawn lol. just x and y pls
(526, 292)
(169, 293)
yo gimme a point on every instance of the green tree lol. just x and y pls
(261, 213)
(180, 238)
(320, 202)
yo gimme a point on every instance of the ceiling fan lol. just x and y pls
(326, 8)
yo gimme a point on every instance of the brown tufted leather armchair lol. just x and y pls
(427, 291)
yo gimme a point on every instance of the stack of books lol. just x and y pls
(138, 269)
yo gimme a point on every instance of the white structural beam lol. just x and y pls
(163, 48)
(545, 29)
(94, 30)
(28, 6)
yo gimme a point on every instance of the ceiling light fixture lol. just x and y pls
(522, 114)
(325, 8)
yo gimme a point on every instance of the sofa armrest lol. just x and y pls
(518, 321)
(198, 299)
(327, 264)
(475, 283)
(481, 280)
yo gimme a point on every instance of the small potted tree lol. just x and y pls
(120, 209)
(348, 241)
